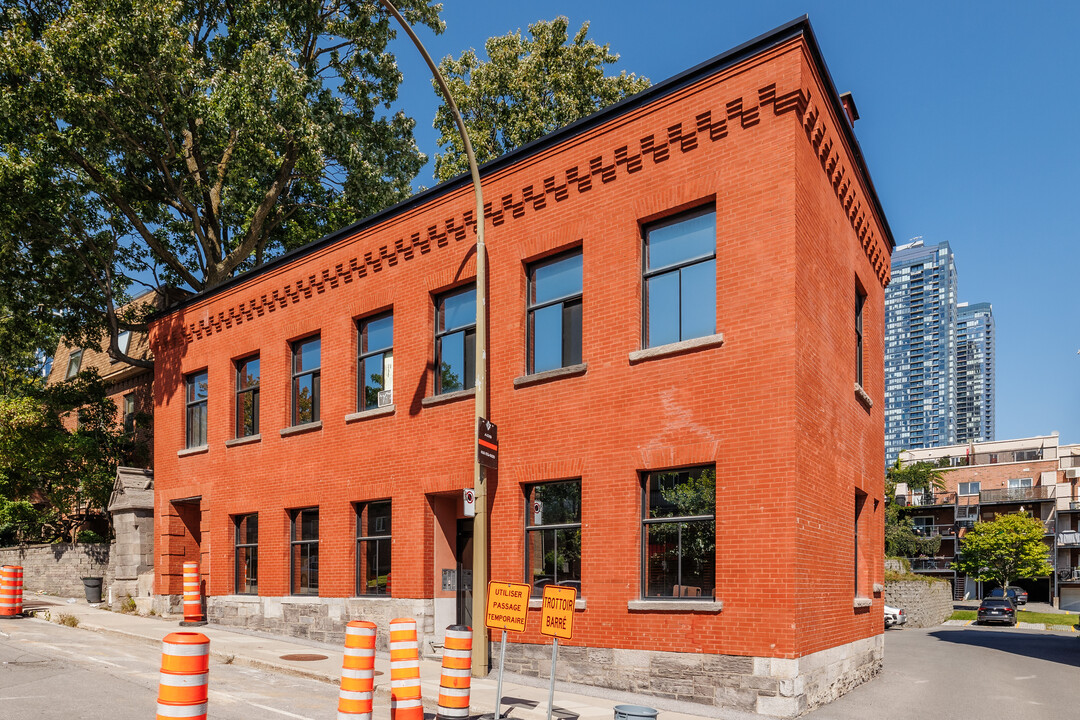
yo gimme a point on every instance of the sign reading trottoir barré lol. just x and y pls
(557, 611)
(507, 606)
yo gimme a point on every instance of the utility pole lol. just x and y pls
(480, 522)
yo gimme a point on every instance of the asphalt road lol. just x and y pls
(968, 672)
(50, 671)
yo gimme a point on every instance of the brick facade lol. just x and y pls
(759, 135)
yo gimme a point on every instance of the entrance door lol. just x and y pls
(464, 571)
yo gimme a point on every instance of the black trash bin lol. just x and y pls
(92, 588)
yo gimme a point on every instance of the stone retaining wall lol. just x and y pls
(317, 618)
(772, 686)
(58, 569)
(926, 604)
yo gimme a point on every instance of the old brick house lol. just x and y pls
(680, 284)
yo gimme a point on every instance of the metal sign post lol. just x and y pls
(557, 621)
(507, 609)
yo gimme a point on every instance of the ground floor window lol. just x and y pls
(679, 533)
(373, 548)
(553, 535)
(304, 555)
(247, 554)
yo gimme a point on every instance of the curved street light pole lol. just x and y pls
(480, 523)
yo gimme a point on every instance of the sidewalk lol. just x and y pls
(524, 698)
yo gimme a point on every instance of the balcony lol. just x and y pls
(1070, 575)
(1040, 493)
(928, 499)
(935, 530)
(1069, 538)
(934, 564)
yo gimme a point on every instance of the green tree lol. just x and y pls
(918, 476)
(901, 540)
(528, 87)
(52, 477)
(1008, 548)
(187, 141)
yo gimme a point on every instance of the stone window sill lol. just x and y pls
(301, 600)
(246, 440)
(861, 602)
(198, 450)
(864, 398)
(678, 348)
(300, 429)
(549, 375)
(537, 603)
(245, 598)
(447, 397)
(878, 587)
(370, 414)
(691, 606)
(372, 598)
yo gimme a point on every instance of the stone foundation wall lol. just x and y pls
(321, 619)
(58, 569)
(772, 686)
(926, 604)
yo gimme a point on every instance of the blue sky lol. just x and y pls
(969, 124)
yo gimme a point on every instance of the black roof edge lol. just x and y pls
(794, 28)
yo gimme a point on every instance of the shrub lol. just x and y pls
(68, 620)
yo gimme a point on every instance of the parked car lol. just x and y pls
(894, 616)
(1018, 595)
(999, 609)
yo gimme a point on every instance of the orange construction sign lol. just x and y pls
(557, 611)
(507, 606)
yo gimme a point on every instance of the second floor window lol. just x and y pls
(680, 278)
(555, 313)
(969, 488)
(860, 302)
(553, 535)
(679, 534)
(247, 397)
(305, 380)
(455, 341)
(196, 409)
(375, 363)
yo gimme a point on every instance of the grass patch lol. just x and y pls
(893, 576)
(1024, 616)
(69, 620)
(127, 605)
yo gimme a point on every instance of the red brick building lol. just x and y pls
(679, 285)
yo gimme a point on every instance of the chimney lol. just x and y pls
(850, 110)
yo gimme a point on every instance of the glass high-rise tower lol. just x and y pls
(939, 355)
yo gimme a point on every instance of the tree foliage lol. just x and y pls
(1005, 549)
(528, 87)
(919, 476)
(187, 141)
(901, 540)
(51, 477)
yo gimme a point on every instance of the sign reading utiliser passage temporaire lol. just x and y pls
(507, 606)
(557, 611)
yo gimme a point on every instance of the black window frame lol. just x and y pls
(240, 427)
(294, 381)
(367, 544)
(860, 304)
(648, 273)
(646, 522)
(129, 413)
(571, 346)
(242, 543)
(296, 516)
(191, 406)
(531, 528)
(860, 506)
(363, 352)
(468, 342)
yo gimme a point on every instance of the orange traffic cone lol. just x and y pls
(193, 614)
(454, 685)
(405, 700)
(185, 668)
(357, 672)
(11, 591)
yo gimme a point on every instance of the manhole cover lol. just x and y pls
(303, 656)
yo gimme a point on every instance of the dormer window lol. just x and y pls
(74, 363)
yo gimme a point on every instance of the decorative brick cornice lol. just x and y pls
(710, 125)
(844, 183)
